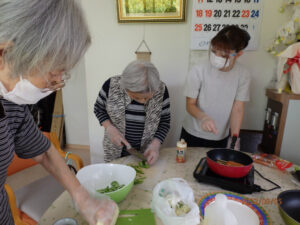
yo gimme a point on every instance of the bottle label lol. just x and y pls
(180, 157)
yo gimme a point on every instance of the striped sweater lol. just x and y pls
(18, 134)
(135, 117)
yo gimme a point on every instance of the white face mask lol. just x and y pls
(218, 61)
(24, 93)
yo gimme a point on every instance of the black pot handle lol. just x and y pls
(233, 141)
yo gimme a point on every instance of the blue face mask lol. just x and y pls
(24, 93)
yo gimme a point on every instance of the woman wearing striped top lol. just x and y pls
(39, 41)
(134, 109)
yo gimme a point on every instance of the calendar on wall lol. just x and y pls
(210, 16)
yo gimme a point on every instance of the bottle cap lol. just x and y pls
(181, 144)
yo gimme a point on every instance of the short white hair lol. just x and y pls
(42, 35)
(140, 76)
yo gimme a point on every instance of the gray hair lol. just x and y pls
(42, 35)
(140, 76)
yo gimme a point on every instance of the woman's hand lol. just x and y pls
(152, 151)
(95, 210)
(115, 136)
(208, 125)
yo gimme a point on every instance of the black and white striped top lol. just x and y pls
(135, 117)
(18, 134)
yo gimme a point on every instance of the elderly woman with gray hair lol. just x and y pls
(40, 41)
(134, 109)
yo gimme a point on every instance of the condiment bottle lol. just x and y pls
(181, 151)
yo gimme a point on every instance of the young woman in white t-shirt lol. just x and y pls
(216, 90)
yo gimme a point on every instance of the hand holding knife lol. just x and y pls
(133, 151)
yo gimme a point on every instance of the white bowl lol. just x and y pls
(243, 213)
(99, 176)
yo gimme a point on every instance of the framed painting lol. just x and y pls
(151, 10)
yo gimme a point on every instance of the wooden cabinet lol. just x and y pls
(281, 135)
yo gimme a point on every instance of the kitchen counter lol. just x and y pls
(167, 167)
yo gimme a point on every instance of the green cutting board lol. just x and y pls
(136, 217)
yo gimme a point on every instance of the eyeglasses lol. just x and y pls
(140, 97)
(223, 54)
(54, 85)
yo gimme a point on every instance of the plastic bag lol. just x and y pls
(295, 79)
(288, 69)
(168, 193)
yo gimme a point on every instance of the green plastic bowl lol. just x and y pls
(99, 176)
(287, 219)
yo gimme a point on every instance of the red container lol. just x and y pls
(214, 155)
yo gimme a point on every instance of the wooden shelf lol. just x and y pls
(284, 99)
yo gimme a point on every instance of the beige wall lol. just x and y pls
(75, 107)
(114, 45)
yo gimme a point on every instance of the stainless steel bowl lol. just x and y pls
(66, 221)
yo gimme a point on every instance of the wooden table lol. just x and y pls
(166, 167)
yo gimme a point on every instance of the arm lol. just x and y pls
(193, 109)
(152, 151)
(165, 119)
(163, 128)
(101, 113)
(236, 117)
(242, 96)
(206, 123)
(55, 165)
(93, 210)
(192, 89)
(100, 104)
(31, 143)
(115, 135)
(106, 123)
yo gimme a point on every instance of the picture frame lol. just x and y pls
(130, 11)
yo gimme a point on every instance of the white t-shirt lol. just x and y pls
(215, 92)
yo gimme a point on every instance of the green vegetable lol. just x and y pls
(114, 186)
(139, 171)
(139, 180)
(182, 208)
(297, 168)
(144, 164)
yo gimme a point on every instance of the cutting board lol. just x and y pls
(136, 217)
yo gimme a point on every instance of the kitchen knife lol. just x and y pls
(133, 151)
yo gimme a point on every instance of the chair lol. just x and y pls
(30, 202)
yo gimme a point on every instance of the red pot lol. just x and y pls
(214, 155)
